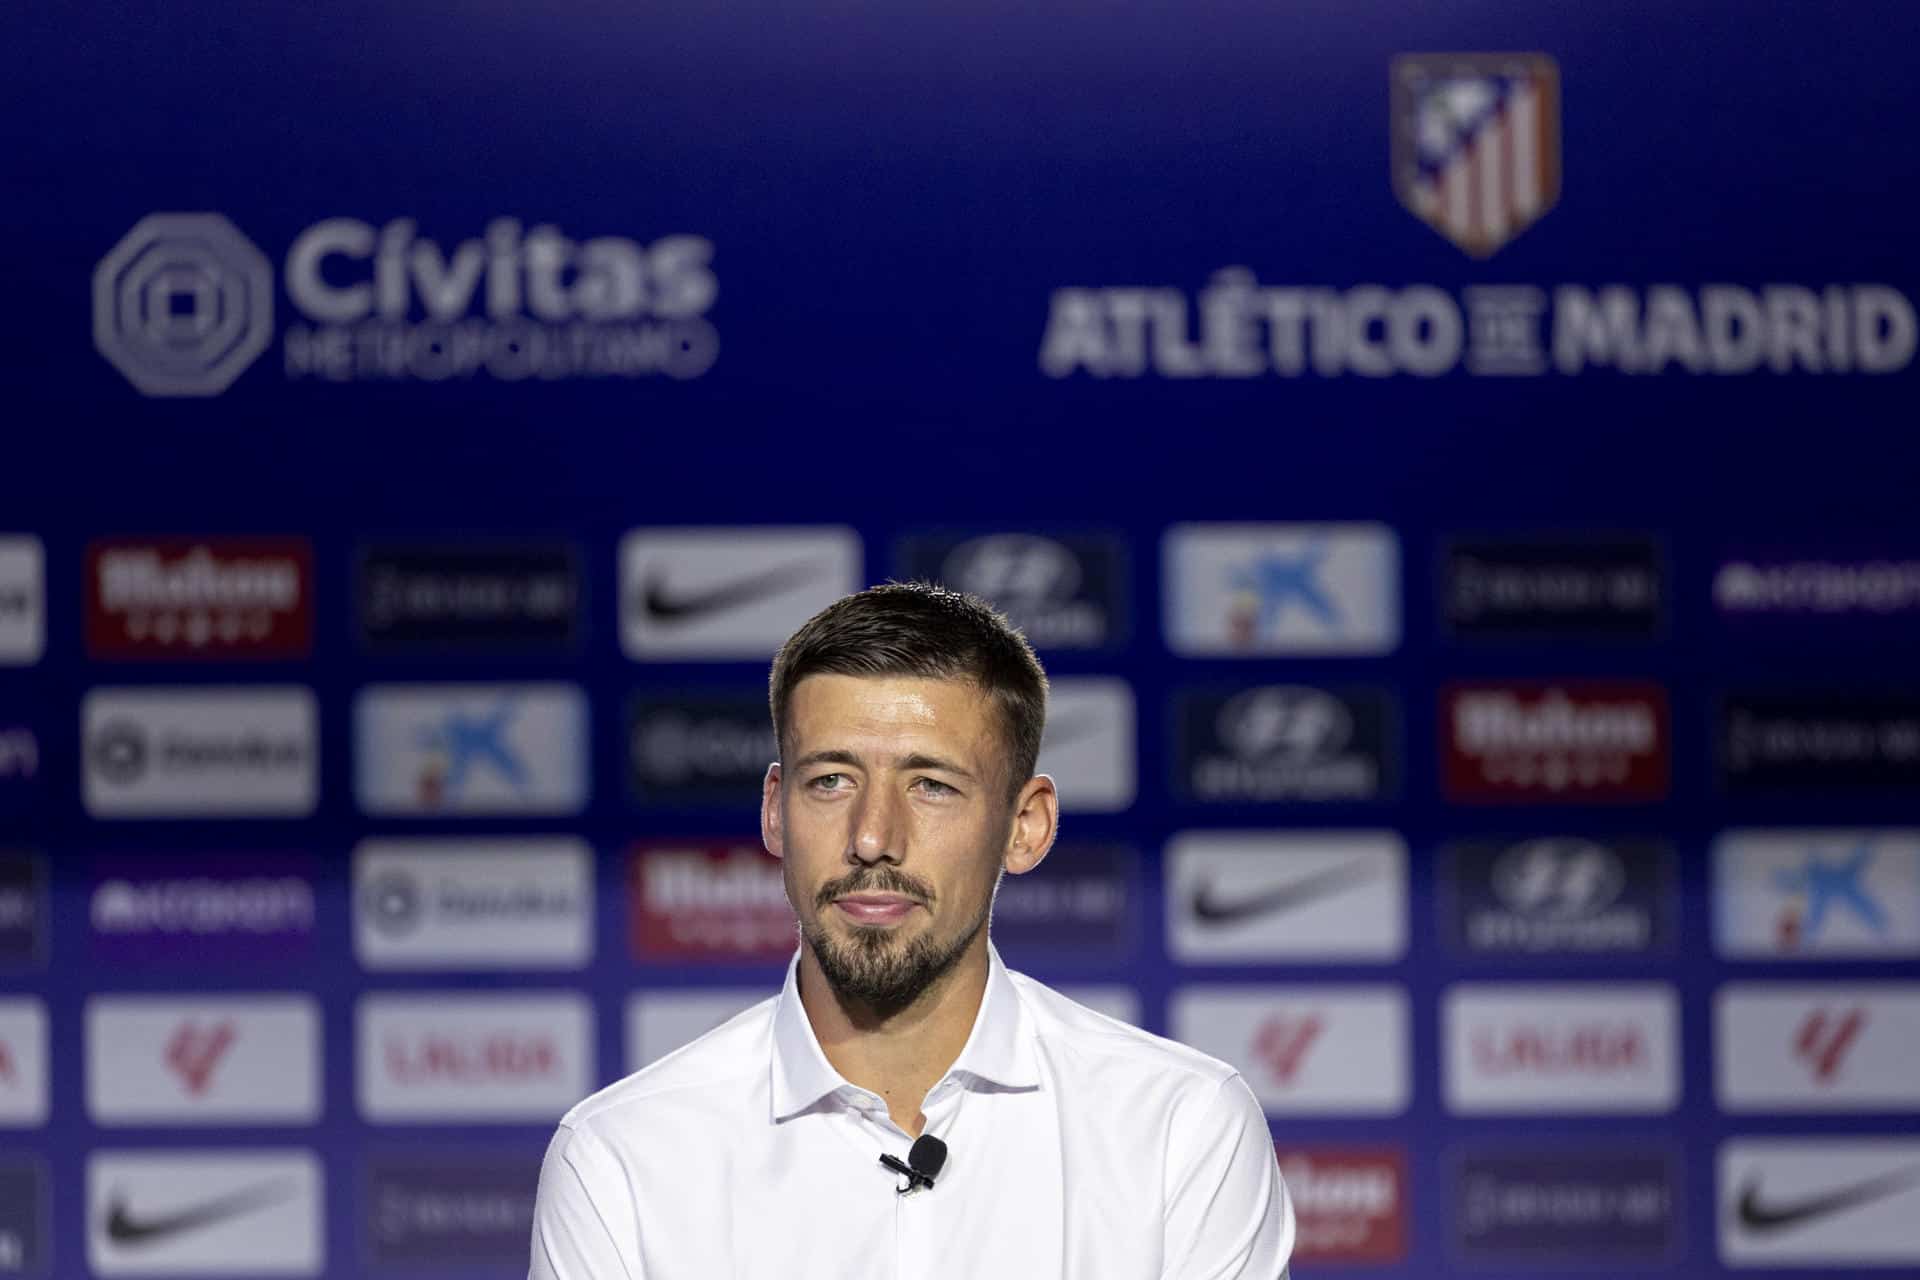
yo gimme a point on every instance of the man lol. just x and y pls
(908, 719)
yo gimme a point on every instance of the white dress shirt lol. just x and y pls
(1078, 1147)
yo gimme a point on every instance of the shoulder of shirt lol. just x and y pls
(719, 1061)
(1093, 1038)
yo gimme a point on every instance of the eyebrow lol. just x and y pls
(917, 760)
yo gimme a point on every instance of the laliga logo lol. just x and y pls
(183, 304)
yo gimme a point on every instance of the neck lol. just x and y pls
(904, 1053)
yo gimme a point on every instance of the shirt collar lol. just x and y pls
(999, 1052)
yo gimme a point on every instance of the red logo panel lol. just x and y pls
(1350, 1203)
(708, 900)
(1575, 741)
(213, 598)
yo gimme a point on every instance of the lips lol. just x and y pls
(875, 908)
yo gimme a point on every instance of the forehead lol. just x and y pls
(954, 712)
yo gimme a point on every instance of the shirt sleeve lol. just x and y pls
(1228, 1216)
(571, 1239)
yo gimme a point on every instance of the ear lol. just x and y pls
(772, 832)
(1036, 820)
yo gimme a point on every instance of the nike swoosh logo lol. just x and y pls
(1210, 908)
(664, 605)
(1756, 1216)
(124, 1228)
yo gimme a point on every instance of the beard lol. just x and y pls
(874, 968)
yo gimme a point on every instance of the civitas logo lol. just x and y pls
(709, 899)
(1574, 740)
(216, 597)
(1818, 588)
(517, 303)
(183, 305)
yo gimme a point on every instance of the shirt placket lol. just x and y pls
(917, 1236)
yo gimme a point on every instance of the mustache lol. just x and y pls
(874, 880)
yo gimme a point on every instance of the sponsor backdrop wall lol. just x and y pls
(1451, 458)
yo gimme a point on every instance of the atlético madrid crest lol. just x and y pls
(1476, 143)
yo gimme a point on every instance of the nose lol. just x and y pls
(876, 829)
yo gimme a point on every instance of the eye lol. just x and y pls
(827, 782)
(935, 787)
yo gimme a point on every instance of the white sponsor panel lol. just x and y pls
(1088, 748)
(1832, 894)
(1238, 590)
(1122, 1003)
(23, 1062)
(515, 1057)
(692, 594)
(1817, 1046)
(1336, 896)
(1820, 1202)
(203, 1060)
(1305, 1049)
(199, 1213)
(473, 904)
(1526, 1048)
(659, 1022)
(235, 752)
(431, 749)
(23, 601)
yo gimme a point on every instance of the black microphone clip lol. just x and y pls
(913, 1176)
(922, 1165)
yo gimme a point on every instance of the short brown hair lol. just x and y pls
(921, 629)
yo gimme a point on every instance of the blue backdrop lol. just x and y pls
(1614, 295)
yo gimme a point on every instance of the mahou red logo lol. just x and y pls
(709, 899)
(1350, 1203)
(209, 598)
(1576, 741)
